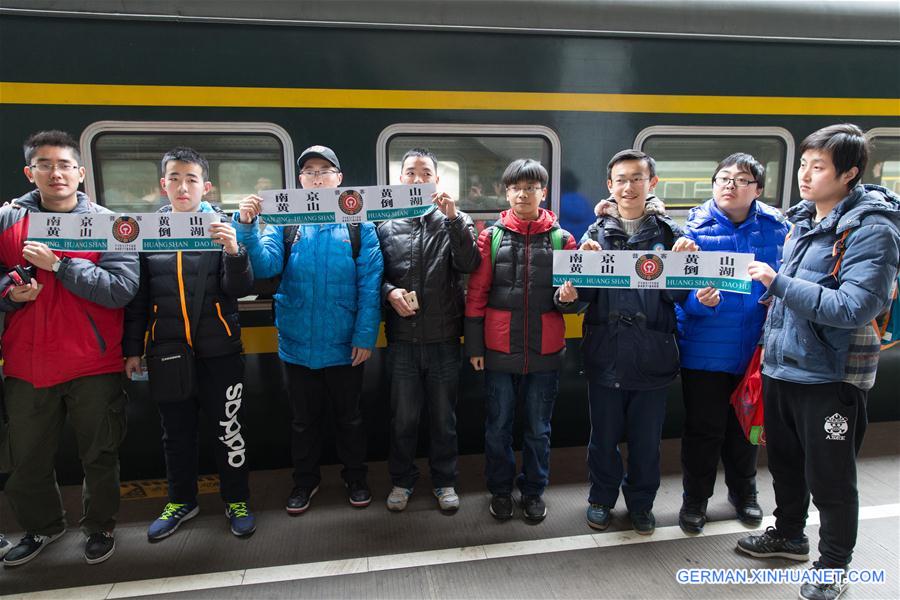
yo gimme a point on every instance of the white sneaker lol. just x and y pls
(447, 498)
(398, 498)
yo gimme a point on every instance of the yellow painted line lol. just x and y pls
(159, 488)
(260, 97)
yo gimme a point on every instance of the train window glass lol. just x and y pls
(884, 162)
(685, 161)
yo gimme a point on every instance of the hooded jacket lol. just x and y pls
(808, 332)
(513, 316)
(723, 338)
(74, 327)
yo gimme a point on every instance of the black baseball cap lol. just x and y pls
(323, 152)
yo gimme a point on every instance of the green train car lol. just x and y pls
(568, 82)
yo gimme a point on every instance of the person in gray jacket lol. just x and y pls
(427, 257)
(821, 351)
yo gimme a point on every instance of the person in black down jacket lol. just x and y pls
(425, 255)
(164, 304)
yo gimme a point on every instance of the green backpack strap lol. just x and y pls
(556, 238)
(556, 241)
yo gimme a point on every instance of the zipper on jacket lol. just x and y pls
(155, 319)
(184, 310)
(525, 314)
(221, 318)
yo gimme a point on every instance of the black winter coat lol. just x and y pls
(428, 255)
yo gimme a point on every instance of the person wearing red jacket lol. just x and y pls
(515, 332)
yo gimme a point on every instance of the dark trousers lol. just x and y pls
(95, 406)
(312, 392)
(503, 389)
(711, 430)
(423, 374)
(813, 434)
(638, 417)
(220, 396)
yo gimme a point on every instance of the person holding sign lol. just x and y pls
(629, 347)
(327, 312)
(62, 358)
(515, 332)
(718, 332)
(424, 260)
(187, 302)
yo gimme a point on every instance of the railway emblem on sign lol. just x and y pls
(649, 267)
(125, 229)
(350, 202)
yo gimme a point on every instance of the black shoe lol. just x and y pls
(692, 516)
(298, 501)
(824, 591)
(358, 493)
(29, 547)
(643, 521)
(99, 547)
(533, 508)
(599, 516)
(747, 508)
(502, 506)
(772, 544)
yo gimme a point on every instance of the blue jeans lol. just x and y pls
(638, 417)
(539, 391)
(420, 374)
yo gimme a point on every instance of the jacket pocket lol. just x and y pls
(553, 332)
(155, 319)
(656, 357)
(803, 347)
(222, 319)
(101, 343)
(496, 329)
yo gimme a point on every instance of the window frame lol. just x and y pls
(472, 129)
(730, 131)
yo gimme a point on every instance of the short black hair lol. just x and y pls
(423, 152)
(525, 169)
(744, 162)
(630, 155)
(54, 137)
(185, 155)
(847, 145)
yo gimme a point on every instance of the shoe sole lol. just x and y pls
(449, 507)
(193, 513)
(302, 509)
(360, 503)
(597, 526)
(100, 559)
(243, 535)
(501, 517)
(797, 557)
(537, 519)
(33, 555)
(639, 532)
(689, 529)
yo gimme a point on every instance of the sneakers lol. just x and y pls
(533, 508)
(398, 498)
(599, 516)
(99, 547)
(502, 506)
(747, 508)
(28, 548)
(692, 516)
(5, 546)
(242, 521)
(643, 521)
(772, 544)
(173, 515)
(358, 493)
(447, 498)
(298, 501)
(823, 591)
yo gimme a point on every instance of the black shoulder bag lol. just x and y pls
(173, 371)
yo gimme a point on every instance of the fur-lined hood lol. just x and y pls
(652, 206)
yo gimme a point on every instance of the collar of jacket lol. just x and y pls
(545, 221)
(849, 212)
(32, 202)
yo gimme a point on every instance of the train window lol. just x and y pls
(687, 156)
(884, 160)
(122, 159)
(471, 159)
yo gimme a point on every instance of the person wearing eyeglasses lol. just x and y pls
(718, 333)
(62, 351)
(327, 313)
(515, 333)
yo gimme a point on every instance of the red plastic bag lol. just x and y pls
(747, 401)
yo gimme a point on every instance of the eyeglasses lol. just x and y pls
(636, 180)
(317, 174)
(531, 190)
(49, 167)
(737, 181)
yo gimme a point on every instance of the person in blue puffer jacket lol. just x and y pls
(328, 309)
(717, 335)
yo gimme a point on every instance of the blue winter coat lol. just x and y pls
(723, 338)
(325, 304)
(808, 331)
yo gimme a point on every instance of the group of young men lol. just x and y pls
(68, 329)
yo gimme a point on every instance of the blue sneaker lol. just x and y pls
(171, 518)
(243, 523)
(599, 516)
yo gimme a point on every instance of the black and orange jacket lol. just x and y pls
(513, 317)
(74, 327)
(166, 295)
